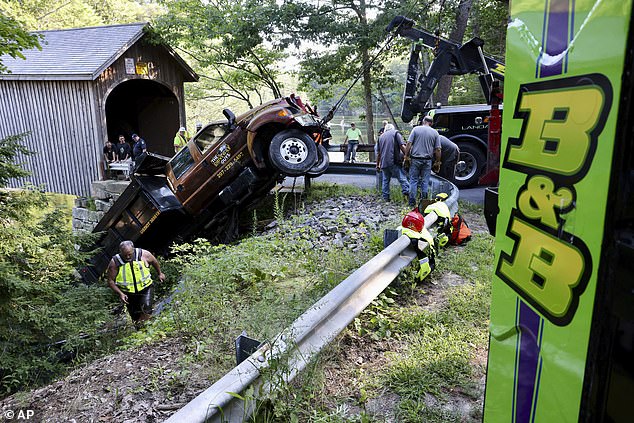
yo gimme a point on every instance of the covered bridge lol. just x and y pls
(85, 86)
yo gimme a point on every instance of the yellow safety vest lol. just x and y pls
(440, 208)
(133, 276)
(180, 141)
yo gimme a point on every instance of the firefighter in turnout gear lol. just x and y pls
(129, 277)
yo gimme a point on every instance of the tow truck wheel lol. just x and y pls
(323, 161)
(474, 164)
(293, 152)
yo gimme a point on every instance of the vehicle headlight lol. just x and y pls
(306, 120)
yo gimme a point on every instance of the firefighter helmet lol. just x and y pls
(414, 220)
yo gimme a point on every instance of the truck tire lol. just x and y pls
(323, 161)
(474, 164)
(293, 152)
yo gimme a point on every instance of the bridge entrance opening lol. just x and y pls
(147, 108)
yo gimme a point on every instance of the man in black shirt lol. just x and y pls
(109, 152)
(109, 156)
(123, 149)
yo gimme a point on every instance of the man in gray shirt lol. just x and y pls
(449, 157)
(389, 160)
(423, 145)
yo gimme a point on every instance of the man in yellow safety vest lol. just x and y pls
(129, 277)
(180, 139)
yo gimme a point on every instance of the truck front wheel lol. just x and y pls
(474, 161)
(293, 152)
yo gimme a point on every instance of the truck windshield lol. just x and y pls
(182, 162)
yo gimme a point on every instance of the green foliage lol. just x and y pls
(57, 14)
(278, 206)
(376, 321)
(415, 410)
(14, 38)
(242, 67)
(9, 148)
(41, 302)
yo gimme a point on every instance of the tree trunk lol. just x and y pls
(457, 34)
(367, 94)
(367, 80)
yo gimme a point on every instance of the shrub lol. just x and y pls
(41, 303)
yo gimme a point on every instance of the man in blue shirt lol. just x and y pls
(389, 160)
(139, 146)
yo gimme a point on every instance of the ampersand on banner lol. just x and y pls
(539, 200)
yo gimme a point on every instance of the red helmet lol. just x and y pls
(414, 220)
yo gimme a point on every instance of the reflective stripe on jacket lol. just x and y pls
(133, 276)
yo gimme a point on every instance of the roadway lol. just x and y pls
(472, 195)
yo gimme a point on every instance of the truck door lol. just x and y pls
(188, 172)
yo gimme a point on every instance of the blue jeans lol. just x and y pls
(419, 173)
(351, 151)
(387, 173)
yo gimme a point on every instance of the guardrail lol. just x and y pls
(351, 168)
(341, 148)
(290, 351)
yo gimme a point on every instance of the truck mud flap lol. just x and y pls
(491, 208)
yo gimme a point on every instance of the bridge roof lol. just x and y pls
(78, 53)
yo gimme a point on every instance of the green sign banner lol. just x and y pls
(564, 66)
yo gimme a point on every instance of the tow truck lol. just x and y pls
(467, 126)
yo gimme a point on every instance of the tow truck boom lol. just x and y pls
(451, 59)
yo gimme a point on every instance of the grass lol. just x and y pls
(434, 348)
(441, 344)
(320, 191)
(259, 285)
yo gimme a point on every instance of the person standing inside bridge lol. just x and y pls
(124, 152)
(389, 160)
(351, 141)
(423, 146)
(181, 138)
(129, 277)
(109, 156)
(139, 147)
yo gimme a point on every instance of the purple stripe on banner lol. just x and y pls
(529, 358)
(541, 51)
(539, 372)
(571, 36)
(556, 38)
(517, 351)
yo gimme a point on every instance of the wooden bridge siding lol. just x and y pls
(167, 68)
(61, 119)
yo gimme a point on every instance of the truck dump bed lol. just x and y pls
(147, 213)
